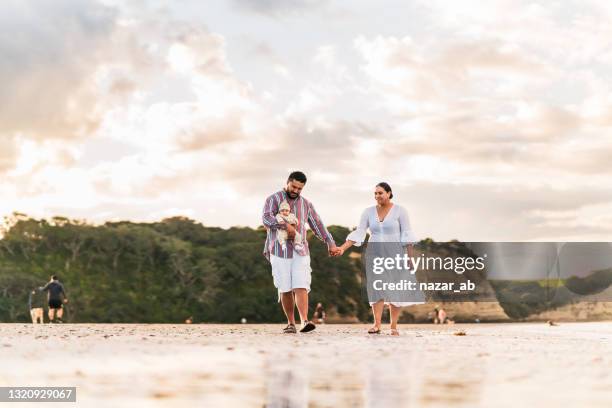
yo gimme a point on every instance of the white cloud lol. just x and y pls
(47, 69)
(134, 112)
(279, 7)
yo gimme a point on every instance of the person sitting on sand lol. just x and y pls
(442, 316)
(56, 296)
(319, 313)
(36, 303)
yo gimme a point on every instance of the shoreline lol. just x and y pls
(337, 365)
(334, 323)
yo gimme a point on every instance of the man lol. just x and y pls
(291, 265)
(36, 303)
(56, 297)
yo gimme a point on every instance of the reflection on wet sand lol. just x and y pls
(388, 383)
(444, 393)
(287, 385)
(500, 365)
(406, 379)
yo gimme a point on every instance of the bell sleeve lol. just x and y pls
(407, 236)
(359, 235)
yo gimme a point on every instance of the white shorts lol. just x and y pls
(291, 273)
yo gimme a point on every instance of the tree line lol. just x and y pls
(162, 272)
(168, 271)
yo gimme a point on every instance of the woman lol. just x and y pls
(387, 223)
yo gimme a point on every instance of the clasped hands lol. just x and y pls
(333, 251)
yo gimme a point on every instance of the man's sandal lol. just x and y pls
(395, 332)
(374, 330)
(308, 326)
(290, 329)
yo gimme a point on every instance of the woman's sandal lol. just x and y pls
(395, 332)
(374, 330)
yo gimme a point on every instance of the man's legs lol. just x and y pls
(60, 313)
(281, 273)
(37, 315)
(300, 283)
(288, 306)
(301, 300)
(51, 315)
(292, 279)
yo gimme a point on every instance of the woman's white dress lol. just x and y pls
(395, 231)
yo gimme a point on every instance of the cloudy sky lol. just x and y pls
(491, 120)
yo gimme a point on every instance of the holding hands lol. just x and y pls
(336, 251)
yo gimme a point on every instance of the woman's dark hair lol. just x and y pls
(297, 176)
(386, 187)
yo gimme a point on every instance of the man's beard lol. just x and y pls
(292, 195)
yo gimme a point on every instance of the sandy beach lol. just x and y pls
(114, 365)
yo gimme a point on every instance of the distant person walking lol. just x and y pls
(290, 263)
(56, 296)
(36, 304)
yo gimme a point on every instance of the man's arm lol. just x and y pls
(269, 214)
(63, 291)
(317, 226)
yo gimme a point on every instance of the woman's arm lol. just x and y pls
(347, 244)
(358, 234)
(407, 236)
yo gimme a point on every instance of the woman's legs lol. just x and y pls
(394, 311)
(377, 311)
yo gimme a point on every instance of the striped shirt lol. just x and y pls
(305, 213)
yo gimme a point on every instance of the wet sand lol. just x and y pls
(113, 365)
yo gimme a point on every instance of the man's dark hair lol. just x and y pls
(386, 187)
(297, 176)
(53, 277)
